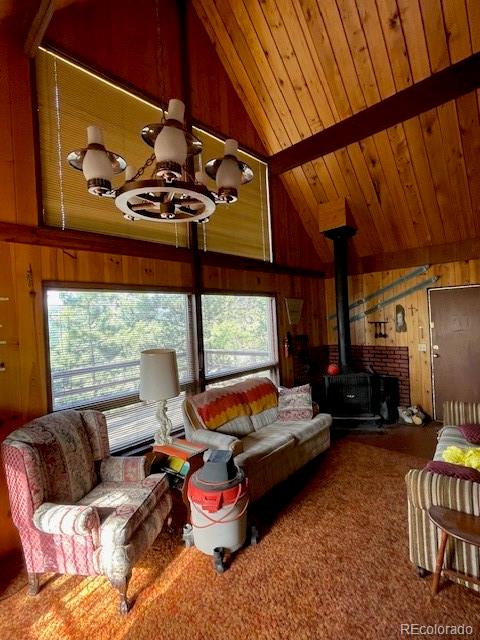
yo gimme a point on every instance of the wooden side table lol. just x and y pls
(189, 452)
(461, 526)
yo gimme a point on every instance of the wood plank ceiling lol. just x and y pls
(302, 66)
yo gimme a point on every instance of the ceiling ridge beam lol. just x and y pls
(448, 84)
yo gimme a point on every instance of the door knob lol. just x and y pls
(435, 355)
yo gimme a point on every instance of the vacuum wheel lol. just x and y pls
(218, 559)
(254, 535)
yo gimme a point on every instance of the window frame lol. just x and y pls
(273, 366)
(129, 399)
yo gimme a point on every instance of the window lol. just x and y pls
(95, 340)
(239, 336)
(69, 99)
(249, 216)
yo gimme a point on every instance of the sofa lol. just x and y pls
(425, 489)
(243, 418)
(77, 509)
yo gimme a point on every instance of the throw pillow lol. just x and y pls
(295, 404)
(453, 470)
(471, 432)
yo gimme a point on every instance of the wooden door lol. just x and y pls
(455, 332)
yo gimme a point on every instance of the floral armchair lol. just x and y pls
(77, 509)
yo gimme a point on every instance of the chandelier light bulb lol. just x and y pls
(171, 145)
(97, 166)
(229, 174)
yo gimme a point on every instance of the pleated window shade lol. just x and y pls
(69, 99)
(95, 341)
(241, 228)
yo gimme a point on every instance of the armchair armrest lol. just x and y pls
(66, 519)
(124, 469)
(216, 440)
(425, 489)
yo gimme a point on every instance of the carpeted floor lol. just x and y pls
(332, 565)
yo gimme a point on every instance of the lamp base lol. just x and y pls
(162, 435)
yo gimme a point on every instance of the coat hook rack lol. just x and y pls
(380, 328)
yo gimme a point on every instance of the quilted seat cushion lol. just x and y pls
(260, 444)
(303, 430)
(124, 506)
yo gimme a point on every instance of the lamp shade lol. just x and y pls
(158, 374)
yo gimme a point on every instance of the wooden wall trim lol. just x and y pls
(450, 83)
(87, 241)
(98, 243)
(437, 254)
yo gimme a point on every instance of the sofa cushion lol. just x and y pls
(471, 432)
(259, 445)
(123, 507)
(264, 418)
(303, 430)
(453, 470)
(237, 427)
(295, 404)
(447, 437)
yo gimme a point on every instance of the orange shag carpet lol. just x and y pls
(332, 564)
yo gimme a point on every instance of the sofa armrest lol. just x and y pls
(124, 469)
(66, 519)
(216, 440)
(425, 489)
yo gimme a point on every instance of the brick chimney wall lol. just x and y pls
(390, 361)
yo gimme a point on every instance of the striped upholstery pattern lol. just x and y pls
(457, 412)
(425, 489)
(68, 521)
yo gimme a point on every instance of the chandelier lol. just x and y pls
(171, 193)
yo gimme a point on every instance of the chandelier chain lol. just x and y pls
(147, 164)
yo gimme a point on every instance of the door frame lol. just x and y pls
(432, 374)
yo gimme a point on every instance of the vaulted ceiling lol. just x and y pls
(302, 66)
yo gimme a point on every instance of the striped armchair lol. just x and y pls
(77, 509)
(425, 489)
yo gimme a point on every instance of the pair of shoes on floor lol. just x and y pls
(411, 415)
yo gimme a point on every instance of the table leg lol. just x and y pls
(439, 564)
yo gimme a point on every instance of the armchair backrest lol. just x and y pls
(456, 412)
(51, 459)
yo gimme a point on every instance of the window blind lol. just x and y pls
(69, 99)
(241, 228)
(95, 340)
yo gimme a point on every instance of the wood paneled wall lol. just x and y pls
(23, 387)
(142, 50)
(416, 307)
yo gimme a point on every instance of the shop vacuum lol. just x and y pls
(218, 496)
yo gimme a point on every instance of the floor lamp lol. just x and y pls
(158, 383)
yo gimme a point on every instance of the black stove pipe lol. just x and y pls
(340, 238)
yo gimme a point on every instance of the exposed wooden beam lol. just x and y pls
(448, 84)
(99, 243)
(437, 254)
(86, 241)
(38, 27)
(227, 261)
